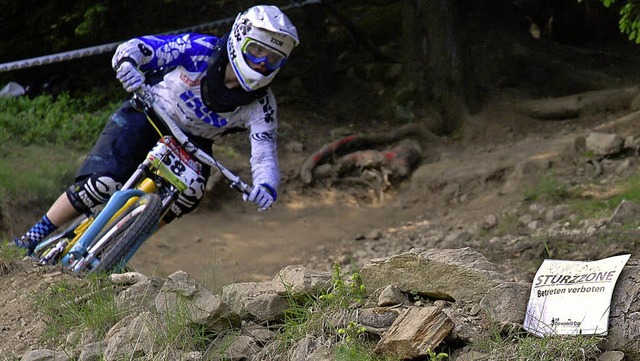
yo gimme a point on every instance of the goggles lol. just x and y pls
(258, 53)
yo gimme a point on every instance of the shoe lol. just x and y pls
(26, 243)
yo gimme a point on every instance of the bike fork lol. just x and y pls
(117, 200)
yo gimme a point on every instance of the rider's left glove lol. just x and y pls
(262, 195)
(130, 76)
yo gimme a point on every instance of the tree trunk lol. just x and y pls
(434, 59)
(445, 61)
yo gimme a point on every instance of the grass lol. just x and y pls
(87, 308)
(180, 332)
(594, 201)
(42, 140)
(513, 345)
(588, 201)
(548, 189)
(62, 121)
(35, 172)
(9, 254)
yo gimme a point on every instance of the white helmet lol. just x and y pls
(262, 34)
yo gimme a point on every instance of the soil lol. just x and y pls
(458, 184)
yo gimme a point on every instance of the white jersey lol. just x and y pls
(179, 94)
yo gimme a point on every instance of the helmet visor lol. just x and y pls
(258, 52)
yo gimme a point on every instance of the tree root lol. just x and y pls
(401, 159)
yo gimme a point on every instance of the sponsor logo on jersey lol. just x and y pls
(190, 82)
(269, 136)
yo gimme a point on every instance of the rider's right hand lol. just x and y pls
(263, 195)
(130, 77)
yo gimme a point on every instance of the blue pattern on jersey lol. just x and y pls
(170, 50)
(201, 111)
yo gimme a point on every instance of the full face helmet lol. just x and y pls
(260, 34)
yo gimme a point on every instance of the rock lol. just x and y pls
(450, 274)
(45, 355)
(604, 144)
(391, 295)
(257, 301)
(624, 317)
(128, 278)
(300, 280)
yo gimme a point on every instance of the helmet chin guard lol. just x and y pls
(268, 26)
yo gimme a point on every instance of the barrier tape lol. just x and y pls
(101, 49)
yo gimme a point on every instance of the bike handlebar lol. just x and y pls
(147, 99)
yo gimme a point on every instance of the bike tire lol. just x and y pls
(134, 232)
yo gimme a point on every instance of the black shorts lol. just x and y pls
(122, 146)
(124, 143)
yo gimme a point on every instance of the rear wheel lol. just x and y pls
(129, 233)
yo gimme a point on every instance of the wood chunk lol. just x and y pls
(415, 332)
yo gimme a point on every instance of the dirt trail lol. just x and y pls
(237, 243)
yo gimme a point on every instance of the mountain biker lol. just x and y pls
(211, 86)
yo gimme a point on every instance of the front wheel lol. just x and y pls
(128, 234)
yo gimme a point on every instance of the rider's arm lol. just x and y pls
(189, 50)
(263, 136)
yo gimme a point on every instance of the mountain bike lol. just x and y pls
(106, 240)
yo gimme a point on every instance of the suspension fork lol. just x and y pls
(117, 200)
(118, 204)
(147, 186)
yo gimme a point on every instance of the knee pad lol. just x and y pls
(92, 191)
(187, 201)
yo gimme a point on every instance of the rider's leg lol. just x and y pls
(62, 211)
(81, 197)
(122, 145)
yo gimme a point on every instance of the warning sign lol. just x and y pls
(573, 297)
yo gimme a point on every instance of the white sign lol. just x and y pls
(573, 297)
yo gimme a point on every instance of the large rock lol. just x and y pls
(624, 317)
(255, 301)
(449, 274)
(300, 280)
(134, 335)
(181, 293)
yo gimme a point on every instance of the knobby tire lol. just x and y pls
(138, 229)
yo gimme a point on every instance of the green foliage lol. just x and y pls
(94, 19)
(436, 356)
(344, 292)
(9, 253)
(352, 331)
(549, 189)
(44, 120)
(590, 201)
(629, 22)
(360, 352)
